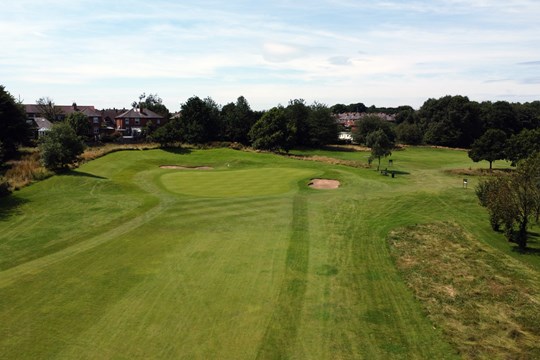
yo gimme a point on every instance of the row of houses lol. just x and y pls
(126, 122)
(348, 119)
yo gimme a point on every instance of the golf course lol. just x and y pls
(228, 254)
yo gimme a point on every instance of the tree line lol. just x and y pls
(278, 129)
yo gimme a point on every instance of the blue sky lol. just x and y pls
(386, 53)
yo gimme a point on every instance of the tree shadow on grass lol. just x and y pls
(10, 206)
(533, 245)
(81, 174)
(176, 150)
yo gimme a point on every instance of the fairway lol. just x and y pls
(122, 259)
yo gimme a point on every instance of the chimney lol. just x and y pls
(141, 107)
(74, 106)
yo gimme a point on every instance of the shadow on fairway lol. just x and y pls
(10, 206)
(177, 150)
(82, 174)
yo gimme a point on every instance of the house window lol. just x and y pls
(137, 121)
(96, 131)
(158, 121)
(96, 120)
(127, 121)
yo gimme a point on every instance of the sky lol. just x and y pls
(384, 53)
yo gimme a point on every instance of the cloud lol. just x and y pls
(535, 63)
(280, 52)
(339, 60)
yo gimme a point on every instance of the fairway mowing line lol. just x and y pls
(281, 332)
(10, 275)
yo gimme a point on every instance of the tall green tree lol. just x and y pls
(14, 130)
(237, 118)
(321, 126)
(450, 121)
(298, 113)
(200, 121)
(490, 146)
(371, 123)
(380, 144)
(521, 146)
(500, 115)
(60, 147)
(513, 201)
(273, 131)
(80, 124)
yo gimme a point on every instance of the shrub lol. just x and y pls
(60, 147)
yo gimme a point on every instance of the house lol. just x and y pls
(109, 119)
(347, 120)
(33, 111)
(132, 122)
(345, 136)
(40, 125)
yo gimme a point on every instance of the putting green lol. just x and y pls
(235, 183)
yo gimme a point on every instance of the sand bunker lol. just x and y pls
(186, 167)
(323, 184)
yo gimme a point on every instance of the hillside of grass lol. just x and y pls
(123, 259)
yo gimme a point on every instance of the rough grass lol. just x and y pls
(25, 170)
(487, 304)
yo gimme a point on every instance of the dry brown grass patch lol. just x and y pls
(486, 304)
(25, 170)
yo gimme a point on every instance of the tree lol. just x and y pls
(450, 121)
(371, 123)
(60, 147)
(154, 103)
(409, 133)
(14, 130)
(273, 131)
(297, 113)
(321, 126)
(500, 115)
(521, 146)
(513, 201)
(200, 121)
(380, 144)
(490, 146)
(238, 118)
(80, 124)
(168, 134)
(48, 110)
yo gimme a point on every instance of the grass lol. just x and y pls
(122, 259)
(488, 308)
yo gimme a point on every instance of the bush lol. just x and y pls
(60, 147)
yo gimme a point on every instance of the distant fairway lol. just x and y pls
(121, 259)
(239, 183)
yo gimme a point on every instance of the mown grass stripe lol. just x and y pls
(281, 332)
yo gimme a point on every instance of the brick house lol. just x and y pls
(131, 122)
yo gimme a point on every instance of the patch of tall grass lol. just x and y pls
(25, 170)
(487, 305)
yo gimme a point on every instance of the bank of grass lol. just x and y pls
(486, 304)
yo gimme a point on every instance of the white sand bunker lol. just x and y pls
(186, 167)
(323, 184)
